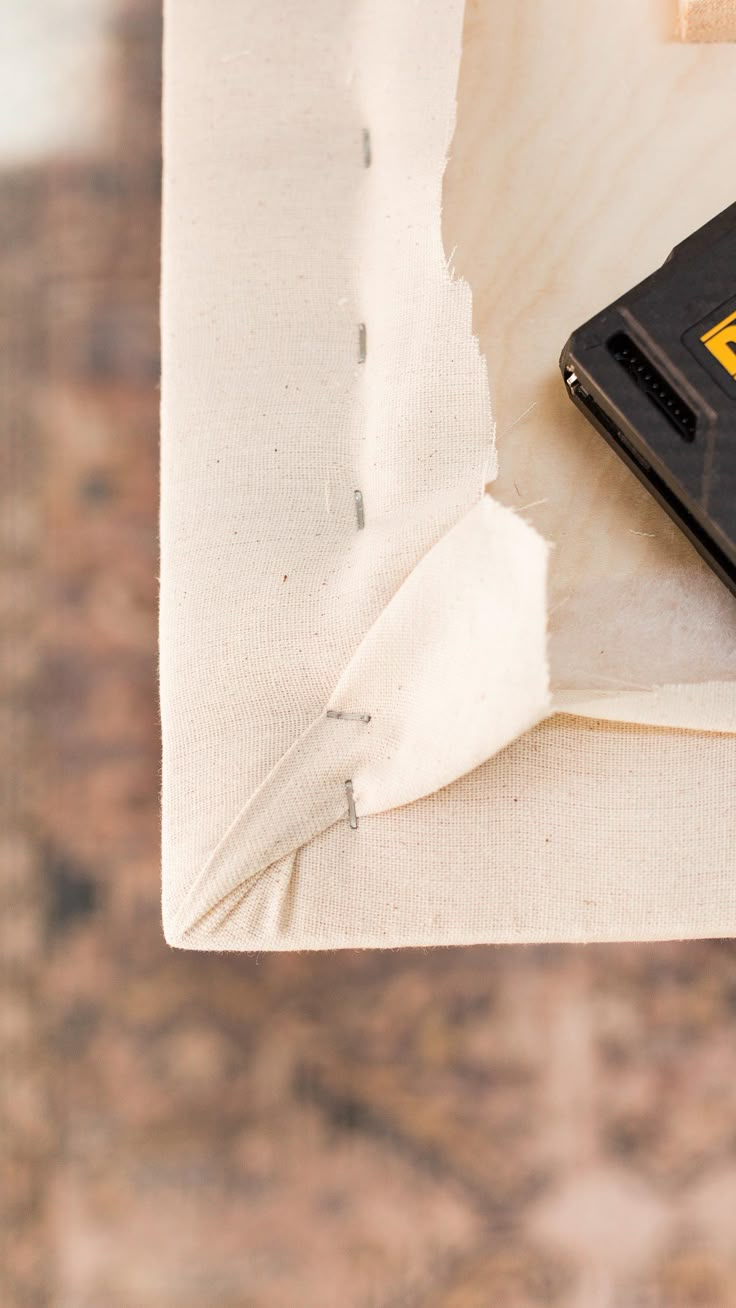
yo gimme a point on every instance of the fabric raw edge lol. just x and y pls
(710, 706)
(455, 665)
(487, 860)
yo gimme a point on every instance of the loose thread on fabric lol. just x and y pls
(565, 600)
(516, 421)
(359, 510)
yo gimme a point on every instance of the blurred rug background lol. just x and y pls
(479, 1128)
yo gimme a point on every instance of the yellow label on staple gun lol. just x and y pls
(721, 341)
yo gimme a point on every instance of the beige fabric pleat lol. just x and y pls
(315, 343)
(708, 20)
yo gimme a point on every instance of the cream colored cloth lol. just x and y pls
(302, 648)
(708, 20)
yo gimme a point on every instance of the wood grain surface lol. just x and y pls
(589, 143)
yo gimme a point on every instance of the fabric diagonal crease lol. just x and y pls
(314, 345)
(453, 666)
(452, 671)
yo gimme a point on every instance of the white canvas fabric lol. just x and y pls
(315, 344)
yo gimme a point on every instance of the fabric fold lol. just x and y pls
(316, 345)
(453, 670)
(708, 706)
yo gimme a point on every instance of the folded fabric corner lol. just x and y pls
(454, 669)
